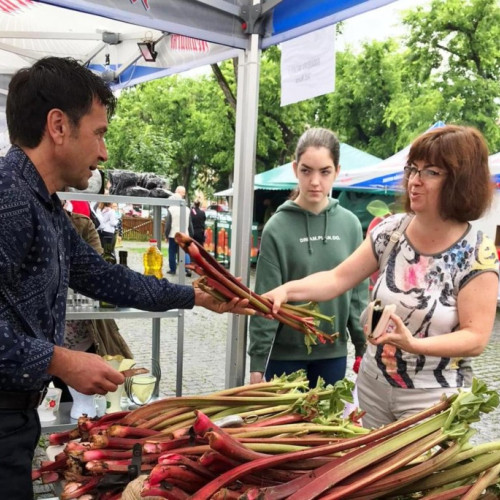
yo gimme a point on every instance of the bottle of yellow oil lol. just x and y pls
(153, 260)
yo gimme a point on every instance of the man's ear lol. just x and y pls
(57, 125)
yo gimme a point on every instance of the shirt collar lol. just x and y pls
(32, 177)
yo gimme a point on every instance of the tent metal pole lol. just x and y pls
(244, 172)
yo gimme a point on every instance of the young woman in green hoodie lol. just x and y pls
(308, 234)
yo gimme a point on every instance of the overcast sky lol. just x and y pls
(378, 24)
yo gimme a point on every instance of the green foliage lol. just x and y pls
(454, 53)
(173, 127)
(366, 85)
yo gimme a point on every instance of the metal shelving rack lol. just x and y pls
(99, 313)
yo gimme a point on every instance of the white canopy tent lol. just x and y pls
(242, 27)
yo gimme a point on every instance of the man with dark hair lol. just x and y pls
(57, 115)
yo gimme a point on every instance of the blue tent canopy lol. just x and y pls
(495, 168)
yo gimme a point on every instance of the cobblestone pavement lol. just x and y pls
(204, 354)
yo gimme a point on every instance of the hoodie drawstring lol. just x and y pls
(309, 246)
(326, 227)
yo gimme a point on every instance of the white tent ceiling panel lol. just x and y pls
(41, 30)
(215, 21)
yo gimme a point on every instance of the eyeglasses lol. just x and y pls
(426, 173)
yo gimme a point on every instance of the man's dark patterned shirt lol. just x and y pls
(41, 254)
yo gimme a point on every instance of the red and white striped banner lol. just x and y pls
(10, 6)
(181, 42)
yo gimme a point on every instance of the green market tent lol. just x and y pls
(282, 178)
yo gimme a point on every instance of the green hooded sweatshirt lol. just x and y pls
(296, 243)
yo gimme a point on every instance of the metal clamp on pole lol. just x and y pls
(252, 16)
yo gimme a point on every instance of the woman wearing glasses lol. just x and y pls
(441, 275)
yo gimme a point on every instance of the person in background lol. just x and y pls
(268, 203)
(310, 233)
(198, 218)
(57, 116)
(441, 274)
(108, 223)
(172, 226)
(119, 226)
(80, 207)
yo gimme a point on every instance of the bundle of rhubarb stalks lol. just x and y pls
(275, 440)
(222, 285)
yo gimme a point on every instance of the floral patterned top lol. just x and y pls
(424, 289)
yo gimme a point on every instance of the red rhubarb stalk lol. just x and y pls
(399, 459)
(103, 441)
(165, 491)
(50, 477)
(113, 466)
(224, 280)
(407, 475)
(262, 463)
(126, 431)
(160, 447)
(62, 437)
(193, 465)
(178, 475)
(106, 454)
(383, 449)
(77, 489)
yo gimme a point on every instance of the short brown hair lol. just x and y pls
(462, 152)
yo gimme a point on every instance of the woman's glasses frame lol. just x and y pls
(429, 172)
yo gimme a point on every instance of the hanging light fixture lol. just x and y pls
(148, 50)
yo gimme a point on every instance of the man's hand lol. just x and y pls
(85, 372)
(235, 306)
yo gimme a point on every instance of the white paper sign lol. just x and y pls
(308, 66)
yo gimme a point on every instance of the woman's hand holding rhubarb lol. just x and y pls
(277, 296)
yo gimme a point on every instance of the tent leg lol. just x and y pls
(244, 172)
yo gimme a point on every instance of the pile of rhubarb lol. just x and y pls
(221, 284)
(276, 440)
